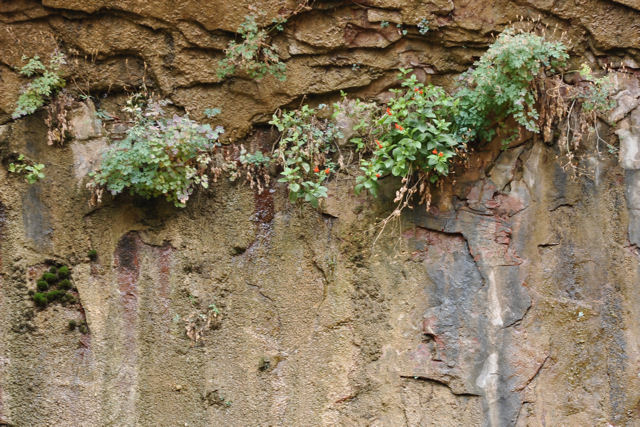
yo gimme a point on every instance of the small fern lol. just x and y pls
(46, 82)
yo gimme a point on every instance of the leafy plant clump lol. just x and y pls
(502, 85)
(254, 55)
(160, 156)
(31, 170)
(303, 152)
(415, 134)
(46, 81)
(422, 129)
(253, 167)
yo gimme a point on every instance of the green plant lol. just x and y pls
(303, 151)
(63, 272)
(257, 158)
(254, 167)
(160, 156)
(423, 26)
(597, 95)
(49, 277)
(92, 254)
(254, 55)
(414, 134)
(32, 171)
(42, 285)
(55, 295)
(65, 284)
(46, 82)
(198, 322)
(211, 112)
(384, 24)
(572, 110)
(53, 286)
(72, 325)
(214, 309)
(424, 128)
(502, 85)
(40, 299)
(83, 328)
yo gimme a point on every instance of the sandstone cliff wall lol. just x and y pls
(513, 301)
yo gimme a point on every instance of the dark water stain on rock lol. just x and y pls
(35, 217)
(263, 215)
(264, 212)
(127, 265)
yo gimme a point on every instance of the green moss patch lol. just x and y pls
(53, 286)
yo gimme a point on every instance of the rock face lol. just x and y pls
(512, 301)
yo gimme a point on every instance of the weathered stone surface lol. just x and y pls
(512, 301)
(83, 122)
(87, 156)
(626, 101)
(629, 134)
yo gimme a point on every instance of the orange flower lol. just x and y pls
(421, 92)
(327, 171)
(416, 89)
(399, 127)
(378, 175)
(379, 144)
(441, 154)
(389, 111)
(316, 169)
(435, 151)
